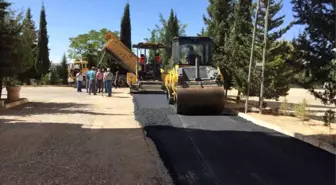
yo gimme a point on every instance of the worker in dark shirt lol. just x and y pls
(157, 64)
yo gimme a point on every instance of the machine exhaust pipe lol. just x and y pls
(197, 76)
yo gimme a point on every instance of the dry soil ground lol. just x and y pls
(65, 137)
(311, 128)
(295, 96)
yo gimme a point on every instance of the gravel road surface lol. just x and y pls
(64, 137)
(199, 150)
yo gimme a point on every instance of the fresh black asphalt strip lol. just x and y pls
(202, 150)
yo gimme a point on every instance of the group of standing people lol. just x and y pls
(97, 80)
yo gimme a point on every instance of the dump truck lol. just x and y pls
(140, 80)
(190, 82)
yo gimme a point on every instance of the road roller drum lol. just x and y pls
(198, 100)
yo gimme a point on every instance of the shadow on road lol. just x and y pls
(65, 153)
(198, 157)
(200, 150)
(35, 108)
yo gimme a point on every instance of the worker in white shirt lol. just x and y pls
(79, 79)
(108, 76)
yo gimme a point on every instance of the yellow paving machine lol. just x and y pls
(76, 66)
(190, 81)
(148, 77)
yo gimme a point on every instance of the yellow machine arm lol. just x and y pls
(120, 53)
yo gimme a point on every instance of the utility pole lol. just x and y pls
(251, 57)
(264, 59)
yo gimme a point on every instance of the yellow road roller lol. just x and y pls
(192, 84)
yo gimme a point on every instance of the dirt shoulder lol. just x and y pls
(313, 128)
(65, 137)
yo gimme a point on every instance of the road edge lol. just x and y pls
(315, 142)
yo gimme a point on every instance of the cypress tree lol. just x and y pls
(42, 58)
(29, 43)
(63, 70)
(175, 27)
(125, 28)
(172, 30)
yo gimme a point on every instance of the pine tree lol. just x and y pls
(63, 70)
(219, 23)
(42, 58)
(236, 48)
(153, 38)
(125, 28)
(10, 47)
(277, 72)
(29, 43)
(165, 32)
(202, 33)
(313, 47)
(171, 31)
(5, 39)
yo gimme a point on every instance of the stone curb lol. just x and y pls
(16, 103)
(315, 142)
(47, 85)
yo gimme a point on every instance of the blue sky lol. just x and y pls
(68, 18)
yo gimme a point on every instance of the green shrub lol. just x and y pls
(53, 78)
(301, 110)
(44, 80)
(285, 107)
(329, 117)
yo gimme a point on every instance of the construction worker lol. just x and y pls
(142, 62)
(104, 82)
(99, 77)
(79, 79)
(92, 81)
(108, 77)
(157, 64)
(87, 81)
(157, 58)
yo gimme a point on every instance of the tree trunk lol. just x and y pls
(238, 97)
(1, 86)
(264, 58)
(251, 58)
